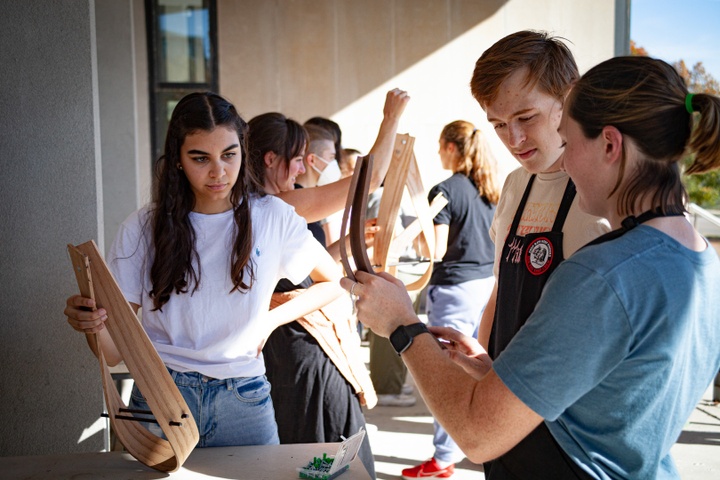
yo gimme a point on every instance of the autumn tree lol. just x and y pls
(703, 189)
(698, 80)
(637, 51)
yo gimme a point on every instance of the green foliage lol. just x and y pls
(703, 189)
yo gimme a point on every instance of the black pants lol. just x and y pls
(537, 457)
(313, 401)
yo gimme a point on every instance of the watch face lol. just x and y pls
(400, 339)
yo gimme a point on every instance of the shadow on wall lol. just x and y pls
(329, 54)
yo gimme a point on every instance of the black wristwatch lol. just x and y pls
(402, 337)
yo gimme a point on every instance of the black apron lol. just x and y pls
(525, 266)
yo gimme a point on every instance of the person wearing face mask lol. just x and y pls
(330, 174)
(322, 168)
(332, 127)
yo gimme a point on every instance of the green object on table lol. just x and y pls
(319, 469)
(325, 468)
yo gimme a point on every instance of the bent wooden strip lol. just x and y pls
(145, 366)
(355, 211)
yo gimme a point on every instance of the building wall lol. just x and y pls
(338, 58)
(75, 154)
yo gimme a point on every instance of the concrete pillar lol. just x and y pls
(50, 195)
(118, 112)
(622, 27)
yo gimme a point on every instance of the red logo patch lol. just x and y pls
(539, 256)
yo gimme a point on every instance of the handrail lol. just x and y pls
(697, 211)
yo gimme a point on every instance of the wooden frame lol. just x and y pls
(403, 172)
(167, 406)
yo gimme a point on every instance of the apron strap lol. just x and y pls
(565, 205)
(521, 206)
(631, 222)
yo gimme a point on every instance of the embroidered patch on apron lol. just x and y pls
(539, 256)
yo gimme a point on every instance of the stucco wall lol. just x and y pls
(118, 111)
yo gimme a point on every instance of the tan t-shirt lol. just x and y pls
(540, 211)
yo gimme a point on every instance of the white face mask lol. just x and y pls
(330, 174)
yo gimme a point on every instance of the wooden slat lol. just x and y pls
(393, 188)
(405, 238)
(418, 197)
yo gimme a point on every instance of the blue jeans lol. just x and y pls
(460, 307)
(231, 412)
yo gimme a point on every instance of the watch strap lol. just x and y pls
(402, 337)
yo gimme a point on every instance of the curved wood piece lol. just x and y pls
(355, 211)
(403, 172)
(167, 406)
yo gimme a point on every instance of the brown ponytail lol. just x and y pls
(475, 161)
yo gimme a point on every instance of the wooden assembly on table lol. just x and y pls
(167, 406)
(403, 172)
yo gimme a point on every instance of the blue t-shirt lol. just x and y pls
(620, 348)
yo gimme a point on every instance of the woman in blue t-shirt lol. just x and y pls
(624, 339)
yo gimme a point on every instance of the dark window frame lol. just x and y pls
(179, 89)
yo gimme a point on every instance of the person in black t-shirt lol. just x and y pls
(462, 279)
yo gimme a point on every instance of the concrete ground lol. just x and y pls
(402, 437)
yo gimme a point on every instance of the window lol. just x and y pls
(182, 57)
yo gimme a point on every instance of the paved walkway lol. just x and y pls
(402, 437)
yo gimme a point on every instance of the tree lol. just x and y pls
(703, 189)
(698, 79)
(637, 51)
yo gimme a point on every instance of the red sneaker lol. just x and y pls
(429, 469)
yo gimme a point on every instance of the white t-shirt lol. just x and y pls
(213, 331)
(540, 212)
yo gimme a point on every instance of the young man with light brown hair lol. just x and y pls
(521, 82)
